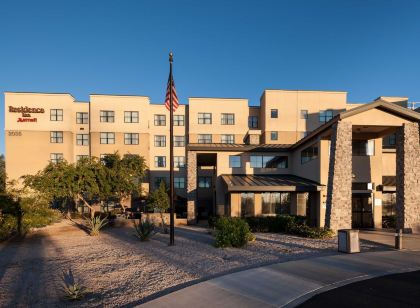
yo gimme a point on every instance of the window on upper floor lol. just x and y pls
(131, 117)
(160, 161)
(228, 119)
(82, 139)
(56, 114)
(204, 118)
(107, 138)
(253, 122)
(274, 113)
(269, 161)
(363, 147)
(204, 181)
(227, 139)
(234, 161)
(274, 136)
(179, 141)
(179, 161)
(308, 154)
(160, 141)
(107, 116)
(179, 182)
(79, 157)
(325, 115)
(304, 114)
(204, 138)
(131, 138)
(56, 157)
(389, 142)
(160, 120)
(179, 120)
(82, 118)
(158, 180)
(56, 137)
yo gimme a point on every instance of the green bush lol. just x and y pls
(232, 232)
(310, 232)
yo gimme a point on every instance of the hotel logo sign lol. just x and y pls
(26, 113)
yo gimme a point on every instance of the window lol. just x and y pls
(253, 122)
(228, 118)
(274, 113)
(204, 138)
(56, 157)
(160, 141)
(204, 181)
(107, 116)
(363, 147)
(304, 114)
(204, 118)
(179, 161)
(82, 118)
(56, 114)
(82, 139)
(179, 120)
(107, 138)
(274, 135)
(131, 138)
(179, 141)
(179, 182)
(79, 157)
(389, 201)
(268, 161)
(309, 154)
(56, 137)
(230, 139)
(389, 142)
(158, 180)
(275, 203)
(325, 115)
(234, 161)
(160, 120)
(131, 116)
(160, 161)
(247, 204)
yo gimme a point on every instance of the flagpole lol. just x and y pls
(171, 156)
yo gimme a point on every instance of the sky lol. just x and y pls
(221, 48)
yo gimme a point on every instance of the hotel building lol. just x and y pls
(299, 152)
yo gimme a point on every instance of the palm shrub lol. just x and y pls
(144, 230)
(232, 232)
(72, 288)
(95, 224)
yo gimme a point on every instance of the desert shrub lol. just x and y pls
(389, 221)
(8, 226)
(95, 224)
(73, 290)
(144, 230)
(310, 232)
(232, 232)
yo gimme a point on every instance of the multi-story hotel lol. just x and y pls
(299, 152)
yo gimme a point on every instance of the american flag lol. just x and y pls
(175, 103)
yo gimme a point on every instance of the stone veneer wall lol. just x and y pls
(408, 178)
(191, 186)
(339, 206)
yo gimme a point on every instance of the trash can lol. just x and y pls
(348, 241)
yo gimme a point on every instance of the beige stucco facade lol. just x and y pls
(289, 134)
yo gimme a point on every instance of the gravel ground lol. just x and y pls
(119, 270)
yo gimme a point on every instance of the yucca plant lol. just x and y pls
(95, 224)
(144, 230)
(72, 288)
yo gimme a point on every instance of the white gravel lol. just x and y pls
(120, 270)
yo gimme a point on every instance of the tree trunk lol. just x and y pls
(92, 210)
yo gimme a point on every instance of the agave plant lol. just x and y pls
(144, 230)
(72, 288)
(95, 224)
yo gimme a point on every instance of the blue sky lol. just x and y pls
(221, 48)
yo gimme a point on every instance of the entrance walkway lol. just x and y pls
(387, 238)
(291, 283)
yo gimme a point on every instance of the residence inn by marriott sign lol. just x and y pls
(26, 113)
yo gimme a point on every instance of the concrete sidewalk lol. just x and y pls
(290, 283)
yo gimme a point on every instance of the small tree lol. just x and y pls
(159, 201)
(2, 174)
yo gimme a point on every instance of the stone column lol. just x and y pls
(191, 186)
(408, 178)
(339, 209)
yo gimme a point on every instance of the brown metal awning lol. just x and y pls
(260, 183)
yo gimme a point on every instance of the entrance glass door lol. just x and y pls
(362, 211)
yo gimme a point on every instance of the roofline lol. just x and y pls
(298, 90)
(122, 95)
(203, 97)
(39, 93)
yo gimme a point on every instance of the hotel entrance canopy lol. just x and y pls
(268, 183)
